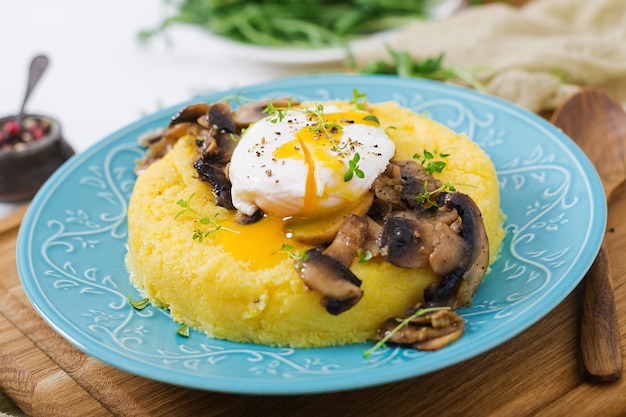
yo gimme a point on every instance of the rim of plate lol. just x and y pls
(354, 380)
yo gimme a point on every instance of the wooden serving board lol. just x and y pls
(536, 373)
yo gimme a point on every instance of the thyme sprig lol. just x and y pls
(341, 150)
(429, 160)
(199, 234)
(425, 197)
(294, 254)
(358, 99)
(402, 323)
(322, 125)
(277, 114)
(353, 168)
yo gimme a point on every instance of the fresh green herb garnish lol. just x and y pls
(323, 125)
(364, 255)
(183, 330)
(428, 161)
(372, 118)
(353, 168)
(200, 234)
(357, 99)
(304, 23)
(402, 323)
(388, 128)
(296, 255)
(139, 304)
(277, 114)
(426, 195)
(341, 150)
(404, 65)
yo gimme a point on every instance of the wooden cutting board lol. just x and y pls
(537, 372)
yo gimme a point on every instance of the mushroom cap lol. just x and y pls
(340, 287)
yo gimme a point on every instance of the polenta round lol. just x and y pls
(239, 282)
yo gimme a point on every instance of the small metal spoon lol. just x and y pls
(37, 67)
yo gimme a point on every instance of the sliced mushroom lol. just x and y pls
(379, 210)
(328, 271)
(243, 218)
(417, 182)
(219, 117)
(211, 166)
(190, 113)
(458, 287)
(218, 148)
(449, 250)
(406, 240)
(215, 175)
(350, 238)
(373, 232)
(340, 287)
(251, 112)
(160, 142)
(389, 188)
(218, 145)
(428, 332)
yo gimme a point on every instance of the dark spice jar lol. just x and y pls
(29, 154)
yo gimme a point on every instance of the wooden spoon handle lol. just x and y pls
(600, 344)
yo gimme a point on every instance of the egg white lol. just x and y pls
(267, 176)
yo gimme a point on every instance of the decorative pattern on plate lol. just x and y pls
(71, 250)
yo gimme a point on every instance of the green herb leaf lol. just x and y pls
(305, 23)
(425, 197)
(200, 234)
(296, 255)
(364, 255)
(139, 304)
(429, 163)
(353, 168)
(357, 99)
(372, 118)
(276, 114)
(183, 330)
(404, 65)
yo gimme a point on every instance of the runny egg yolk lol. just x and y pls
(261, 245)
(319, 150)
(295, 168)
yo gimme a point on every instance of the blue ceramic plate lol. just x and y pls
(72, 243)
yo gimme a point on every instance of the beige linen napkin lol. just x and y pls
(535, 56)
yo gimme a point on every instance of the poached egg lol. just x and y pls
(302, 163)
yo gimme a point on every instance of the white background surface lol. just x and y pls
(100, 77)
